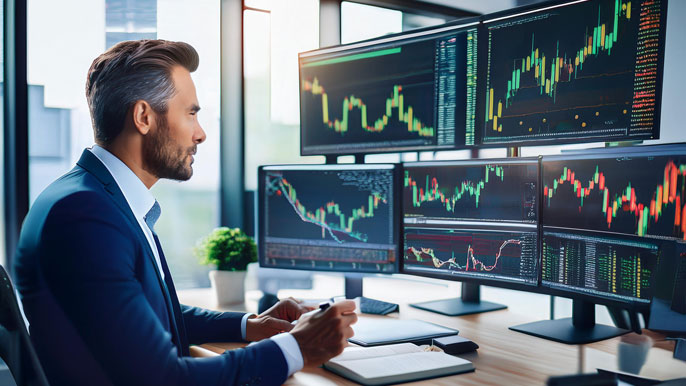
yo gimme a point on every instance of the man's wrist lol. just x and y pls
(244, 324)
(291, 351)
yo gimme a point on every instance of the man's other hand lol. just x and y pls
(287, 309)
(275, 320)
(323, 335)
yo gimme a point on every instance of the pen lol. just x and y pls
(323, 306)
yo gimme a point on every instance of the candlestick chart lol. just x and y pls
(395, 102)
(388, 97)
(338, 206)
(644, 196)
(329, 219)
(487, 192)
(583, 70)
(614, 267)
(488, 253)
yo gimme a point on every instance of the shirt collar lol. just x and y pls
(136, 193)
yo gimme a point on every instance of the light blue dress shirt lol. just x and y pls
(140, 201)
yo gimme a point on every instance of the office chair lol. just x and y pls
(15, 345)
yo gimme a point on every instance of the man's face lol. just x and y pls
(168, 149)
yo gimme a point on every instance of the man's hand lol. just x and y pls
(263, 327)
(287, 309)
(275, 320)
(323, 335)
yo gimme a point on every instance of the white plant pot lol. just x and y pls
(228, 286)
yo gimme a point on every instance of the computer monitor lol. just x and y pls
(668, 308)
(573, 71)
(329, 218)
(475, 221)
(410, 91)
(605, 215)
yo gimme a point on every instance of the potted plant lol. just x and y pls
(230, 250)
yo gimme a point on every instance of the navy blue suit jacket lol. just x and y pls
(98, 309)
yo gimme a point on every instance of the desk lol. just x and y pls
(504, 356)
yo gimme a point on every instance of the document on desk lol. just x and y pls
(395, 363)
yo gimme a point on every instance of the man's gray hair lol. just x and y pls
(131, 71)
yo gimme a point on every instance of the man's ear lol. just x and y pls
(143, 116)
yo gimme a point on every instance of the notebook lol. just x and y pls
(394, 363)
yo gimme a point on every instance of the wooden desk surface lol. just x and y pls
(504, 356)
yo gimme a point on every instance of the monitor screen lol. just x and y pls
(471, 190)
(573, 71)
(636, 191)
(472, 220)
(493, 254)
(613, 267)
(413, 91)
(606, 213)
(329, 217)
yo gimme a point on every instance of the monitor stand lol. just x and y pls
(469, 303)
(353, 286)
(353, 289)
(579, 329)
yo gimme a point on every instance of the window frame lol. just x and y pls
(16, 119)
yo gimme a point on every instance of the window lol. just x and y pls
(63, 39)
(274, 32)
(360, 22)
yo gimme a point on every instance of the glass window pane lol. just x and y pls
(191, 208)
(59, 55)
(272, 41)
(360, 22)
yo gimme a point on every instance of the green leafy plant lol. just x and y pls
(229, 249)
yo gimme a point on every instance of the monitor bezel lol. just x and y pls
(539, 7)
(397, 207)
(396, 39)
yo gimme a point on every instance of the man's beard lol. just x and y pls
(162, 158)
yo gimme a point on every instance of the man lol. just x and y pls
(91, 272)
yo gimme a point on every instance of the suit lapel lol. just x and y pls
(94, 166)
(178, 315)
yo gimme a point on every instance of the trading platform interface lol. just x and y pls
(574, 72)
(472, 219)
(606, 214)
(328, 218)
(636, 194)
(415, 93)
(477, 191)
(481, 253)
(618, 268)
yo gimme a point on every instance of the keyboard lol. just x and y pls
(377, 307)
